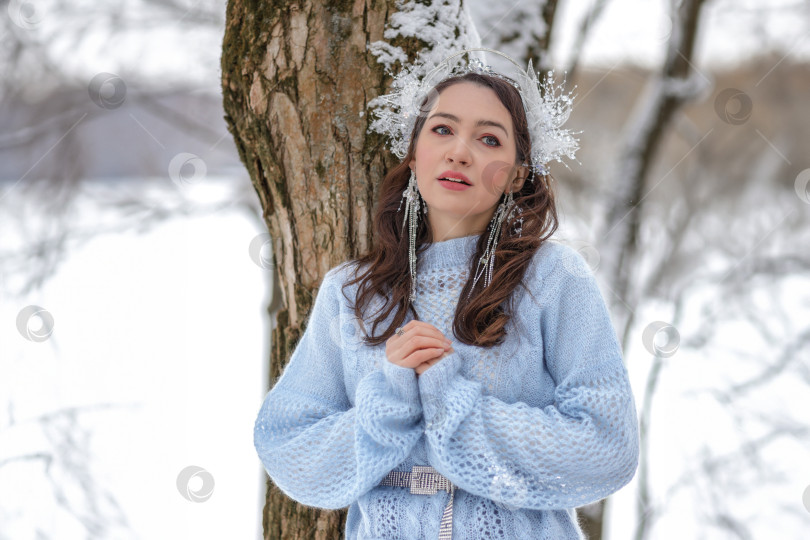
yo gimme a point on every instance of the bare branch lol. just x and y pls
(585, 26)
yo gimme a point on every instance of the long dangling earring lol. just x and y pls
(506, 211)
(412, 199)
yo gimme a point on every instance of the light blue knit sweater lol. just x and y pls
(527, 430)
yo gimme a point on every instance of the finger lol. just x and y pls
(422, 342)
(425, 355)
(424, 366)
(421, 356)
(421, 328)
(417, 337)
(413, 354)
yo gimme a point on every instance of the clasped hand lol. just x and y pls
(421, 346)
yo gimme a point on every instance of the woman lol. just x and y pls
(485, 408)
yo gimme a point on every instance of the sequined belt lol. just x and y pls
(424, 480)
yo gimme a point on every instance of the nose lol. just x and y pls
(458, 152)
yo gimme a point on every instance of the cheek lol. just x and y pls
(424, 151)
(496, 174)
(426, 160)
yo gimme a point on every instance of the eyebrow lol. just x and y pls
(454, 118)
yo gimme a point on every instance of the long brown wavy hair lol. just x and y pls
(479, 320)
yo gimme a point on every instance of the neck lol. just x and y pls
(449, 230)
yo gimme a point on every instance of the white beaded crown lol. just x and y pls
(547, 106)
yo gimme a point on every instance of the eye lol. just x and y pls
(440, 127)
(494, 139)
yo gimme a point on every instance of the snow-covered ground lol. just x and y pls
(159, 343)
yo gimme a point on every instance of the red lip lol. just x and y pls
(454, 174)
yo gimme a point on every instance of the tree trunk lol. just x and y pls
(592, 519)
(296, 78)
(539, 50)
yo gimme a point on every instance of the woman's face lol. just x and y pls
(467, 133)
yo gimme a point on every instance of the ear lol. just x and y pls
(521, 173)
(412, 163)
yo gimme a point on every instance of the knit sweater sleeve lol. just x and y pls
(317, 447)
(575, 451)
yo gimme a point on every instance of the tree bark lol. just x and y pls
(296, 78)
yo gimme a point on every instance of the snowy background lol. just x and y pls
(149, 261)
